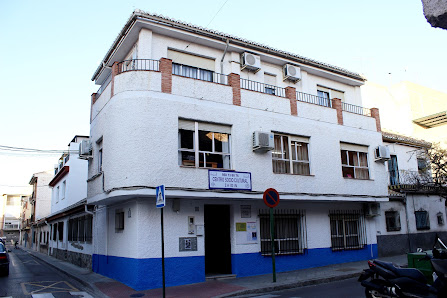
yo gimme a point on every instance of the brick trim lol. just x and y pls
(291, 95)
(166, 75)
(234, 80)
(114, 73)
(336, 104)
(375, 114)
(93, 98)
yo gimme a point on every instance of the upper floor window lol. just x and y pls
(64, 186)
(325, 94)
(192, 72)
(57, 194)
(354, 160)
(192, 65)
(392, 219)
(270, 83)
(290, 155)
(204, 145)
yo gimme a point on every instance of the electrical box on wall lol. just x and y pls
(191, 226)
(200, 230)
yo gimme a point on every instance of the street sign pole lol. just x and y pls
(163, 253)
(272, 237)
(160, 202)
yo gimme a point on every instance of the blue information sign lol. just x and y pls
(160, 199)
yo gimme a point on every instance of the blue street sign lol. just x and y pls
(160, 199)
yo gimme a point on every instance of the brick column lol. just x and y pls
(336, 104)
(234, 80)
(114, 73)
(93, 98)
(375, 115)
(291, 94)
(166, 75)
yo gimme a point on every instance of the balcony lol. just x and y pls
(410, 180)
(151, 75)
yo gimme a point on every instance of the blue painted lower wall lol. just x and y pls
(143, 274)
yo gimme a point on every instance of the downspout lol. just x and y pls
(49, 236)
(225, 52)
(87, 211)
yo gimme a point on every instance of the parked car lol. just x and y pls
(4, 260)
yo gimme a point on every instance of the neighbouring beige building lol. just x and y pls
(410, 109)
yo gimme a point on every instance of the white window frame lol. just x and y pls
(355, 166)
(57, 194)
(290, 161)
(63, 190)
(197, 152)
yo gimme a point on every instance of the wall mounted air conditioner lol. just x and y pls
(263, 141)
(372, 209)
(291, 73)
(382, 153)
(85, 149)
(250, 62)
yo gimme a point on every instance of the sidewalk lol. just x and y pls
(105, 287)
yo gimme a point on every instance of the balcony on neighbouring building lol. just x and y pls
(410, 180)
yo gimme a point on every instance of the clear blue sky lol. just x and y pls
(50, 49)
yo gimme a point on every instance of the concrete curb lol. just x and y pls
(291, 285)
(94, 291)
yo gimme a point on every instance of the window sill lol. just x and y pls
(209, 168)
(355, 179)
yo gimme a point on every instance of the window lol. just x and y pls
(100, 160)
(392, 219)
(54, 232)
(422, 220)
(354, 160)
(192, 65)
(290, 155)
(204, 145)
(422, 165)
(80, 228)
(347, 230)
(119, 220)
(393, 170)
(289, 236)
(64, 186)
(326, 94)
(56, 194)
(192, 72)
(270, 83)
(60, 229)
(440, 218)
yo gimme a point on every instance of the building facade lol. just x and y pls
(40, 202)
(416, 213)
(71, 220)
(218, 120)
(10, 207)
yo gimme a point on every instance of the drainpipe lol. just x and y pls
(87, 211)
(225, 52)
(49, 236)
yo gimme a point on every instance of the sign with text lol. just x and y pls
(229, 180)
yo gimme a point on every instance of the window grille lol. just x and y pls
(348, 230)
(289, 232)
(392, 219)
(60, 229)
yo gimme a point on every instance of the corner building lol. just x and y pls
(187, 107)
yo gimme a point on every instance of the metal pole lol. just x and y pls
(163, 254)
(272, 237)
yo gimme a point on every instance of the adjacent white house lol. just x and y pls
(217, 120)
(71, 219)
(416, 212)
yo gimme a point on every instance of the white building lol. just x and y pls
(415, 213)
(180, 106)
(70, 219)
(40, 208)
(10, 216)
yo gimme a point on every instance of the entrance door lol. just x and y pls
(217, 239)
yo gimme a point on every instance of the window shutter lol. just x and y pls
(353, 147)
(186, 124)
(191, 60)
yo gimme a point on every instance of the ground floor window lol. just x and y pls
(80, 228)
(392, 219)
(289, 231)
(422, 220)
(348, 229)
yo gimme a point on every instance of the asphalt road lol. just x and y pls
(30, 277)
(349, 288)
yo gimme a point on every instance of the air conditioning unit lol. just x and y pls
(291, 73)
(382, 153)
(263, 141)
(372, 209)
(250, 62)
(85, 149)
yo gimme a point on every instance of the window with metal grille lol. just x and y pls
(80, 228)
(348, 230)
(392, 219)
(422, 220)
(289, 232)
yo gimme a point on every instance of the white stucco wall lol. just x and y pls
(43, 194)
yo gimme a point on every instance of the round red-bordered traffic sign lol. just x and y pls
(271, 197)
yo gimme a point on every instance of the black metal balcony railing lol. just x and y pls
(138, 64)
(199, 74)
(410, 178)
(263, 88)
(313, 99)
(347, 107)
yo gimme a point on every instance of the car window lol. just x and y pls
(2, 247)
